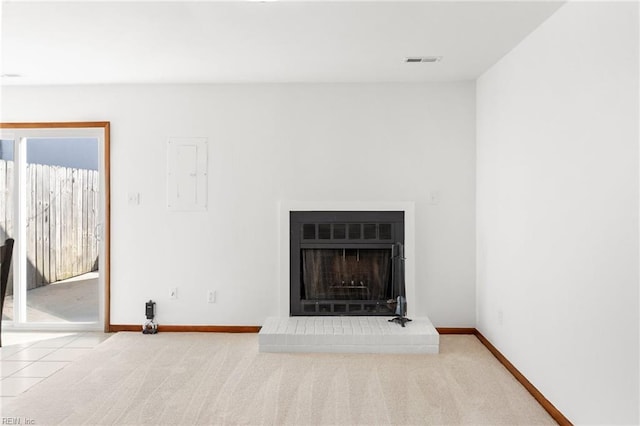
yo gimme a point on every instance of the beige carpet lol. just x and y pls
(216, 378)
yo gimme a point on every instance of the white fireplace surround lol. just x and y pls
(408, 207)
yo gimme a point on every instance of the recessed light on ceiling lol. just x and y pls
(420, 59)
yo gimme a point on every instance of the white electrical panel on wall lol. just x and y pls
(187, 174)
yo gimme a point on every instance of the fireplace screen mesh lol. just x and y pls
(346, 274)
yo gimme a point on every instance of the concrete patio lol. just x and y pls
(71, 300)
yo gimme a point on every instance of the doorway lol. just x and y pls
(54, 179)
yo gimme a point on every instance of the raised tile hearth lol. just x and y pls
(348, 334)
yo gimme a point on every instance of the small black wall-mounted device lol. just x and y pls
(150, 326)
(150, 309)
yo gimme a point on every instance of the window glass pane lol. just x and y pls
(62, 213)
(6, 149)
(7, 208)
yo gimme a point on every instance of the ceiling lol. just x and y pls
(249, 41)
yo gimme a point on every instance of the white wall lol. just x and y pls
(557, 210)
(270, 143)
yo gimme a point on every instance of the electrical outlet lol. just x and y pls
(134, 198)
(173, 294)
(433, 197)
(211, 296)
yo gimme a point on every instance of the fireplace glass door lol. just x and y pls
(354, 281)
(346, 274)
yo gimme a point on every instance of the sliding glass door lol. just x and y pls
(53, 204)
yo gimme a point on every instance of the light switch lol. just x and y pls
(434, 197)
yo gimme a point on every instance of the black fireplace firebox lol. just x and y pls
(341, 262)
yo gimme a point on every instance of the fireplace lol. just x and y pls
(341, 262)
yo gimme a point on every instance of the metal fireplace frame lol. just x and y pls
(374, 237)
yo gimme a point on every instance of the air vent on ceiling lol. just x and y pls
(417, 59)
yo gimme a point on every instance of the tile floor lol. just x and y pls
(27, 358)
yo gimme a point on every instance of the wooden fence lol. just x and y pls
(62, 215)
